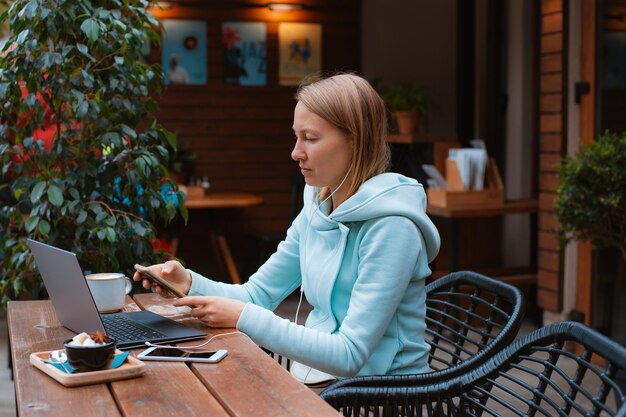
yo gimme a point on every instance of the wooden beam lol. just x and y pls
(587, 134)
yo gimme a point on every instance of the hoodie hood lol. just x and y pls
(388, 194)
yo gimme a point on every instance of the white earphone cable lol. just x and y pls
(195, 346)
(306, 233)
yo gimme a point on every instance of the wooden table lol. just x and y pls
(216, 236)
(246, 383)
(450, 215)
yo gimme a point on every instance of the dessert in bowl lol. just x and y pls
(90, 353)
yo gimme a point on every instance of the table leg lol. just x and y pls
(227, 257)
(174, 246)
(223, 256)
(217, 253)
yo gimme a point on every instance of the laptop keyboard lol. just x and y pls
(124, 330)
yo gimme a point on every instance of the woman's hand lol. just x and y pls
(213, 311)
(173, 272)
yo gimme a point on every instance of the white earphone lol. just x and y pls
(306, 232)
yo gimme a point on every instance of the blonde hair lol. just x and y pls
(351, 104)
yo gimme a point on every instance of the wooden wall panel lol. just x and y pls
(547, 300)
(547, 240)
(552, 126)
(550, 143)
(548, 182)
(548, 162)
(243, 135)
(550, 280)
(551, 83)
(551, 62)
(551, 103)
(551, 43)
(551, 6)
(552, 23)
(550, 123)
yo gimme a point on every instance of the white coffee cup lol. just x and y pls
(109, 290)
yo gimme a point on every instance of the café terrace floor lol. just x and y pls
(7, 393)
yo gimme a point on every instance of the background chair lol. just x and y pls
(565, 369)
(268, 243)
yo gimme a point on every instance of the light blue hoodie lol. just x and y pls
(362, 269)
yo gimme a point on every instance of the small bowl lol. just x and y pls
(90, 358)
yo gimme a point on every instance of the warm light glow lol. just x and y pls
(284, 7)
(164, 5)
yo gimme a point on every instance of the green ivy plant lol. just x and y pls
(75, 67)
(591, 195)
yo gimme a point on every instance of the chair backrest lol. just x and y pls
(469, 317)
(565, 369)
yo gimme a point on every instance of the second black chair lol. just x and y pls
(565, 369)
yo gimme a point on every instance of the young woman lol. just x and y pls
(359, 249)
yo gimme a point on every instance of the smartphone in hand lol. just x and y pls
(158, 280)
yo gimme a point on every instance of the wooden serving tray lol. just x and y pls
(131, 368)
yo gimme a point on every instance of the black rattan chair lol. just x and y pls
(565, 369)
(469, 317)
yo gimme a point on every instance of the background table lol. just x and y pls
(246, 383)
(216, 236)
(449, 216)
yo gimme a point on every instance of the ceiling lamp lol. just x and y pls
(285, 7)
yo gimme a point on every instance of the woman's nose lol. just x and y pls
(297, 154)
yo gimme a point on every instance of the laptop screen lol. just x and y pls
(66, 287)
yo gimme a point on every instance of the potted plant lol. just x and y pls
(182, 163)
(81, 147)
(591, 195)
(409, 104)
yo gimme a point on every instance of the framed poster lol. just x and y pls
(184, 52)
(244, 49)
(300, 51)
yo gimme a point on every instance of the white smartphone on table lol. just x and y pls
(179, 355)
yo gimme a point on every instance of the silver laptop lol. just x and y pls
(76, 309)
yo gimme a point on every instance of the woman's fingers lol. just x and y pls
(193, 300)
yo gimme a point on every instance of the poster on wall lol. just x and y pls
(184, 51)
(244, 49)
(300, 51)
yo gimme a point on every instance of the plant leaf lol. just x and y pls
(31, 223)
(44, 227)
(82, 216)
(110, 234)
(38, 191)
(55, 195)
(91, 29)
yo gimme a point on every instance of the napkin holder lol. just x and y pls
(456, 196)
